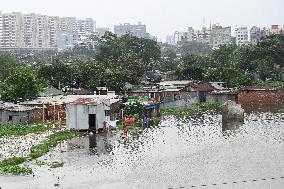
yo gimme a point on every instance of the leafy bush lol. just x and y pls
(12, 161)
(10, 166)
(198, 107)
(16, 170)
(19, 130)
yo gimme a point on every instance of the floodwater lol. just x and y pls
(197, 152)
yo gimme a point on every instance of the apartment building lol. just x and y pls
(256, 34)
(87, 25)
(275, 29)
(68, 24)
(101, 31)
(220, 35)
(35, 31)
(241, 36)
(138, 30)
(11, 30)
(204, 36)
(53, 24)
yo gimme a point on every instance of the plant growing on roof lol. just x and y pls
(134, 109)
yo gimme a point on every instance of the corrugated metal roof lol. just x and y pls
(257, 88)
(176, 82)
(86, 101)
(15, 107)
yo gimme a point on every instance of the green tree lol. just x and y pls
(194, 47)
(87, 74)
(264, 68)
(168, 51)
(57, 73)
(223, 55)
(7, 64)
(167, 64)
(232, 76)
(21, 84)
(112, 48)
(272, 48)
(191, 72)
(243, 57)
(196, 60)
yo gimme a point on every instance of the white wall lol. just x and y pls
(77, 115)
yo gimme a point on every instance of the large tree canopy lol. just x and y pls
(21, 84)
(57, 73)
(112, 48)
(7, 64)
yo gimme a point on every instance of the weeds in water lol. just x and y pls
(56, 164)
(51, 142)
(40, 163)
(16, 170)
(11, 165)
(19, 130)
(12, 161)
(198, 107)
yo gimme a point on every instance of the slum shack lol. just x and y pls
(90, 113)
(259, 98)
(16, 114)
(222, 96)
(141, 110)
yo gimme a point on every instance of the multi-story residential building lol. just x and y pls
(275, 29)
(68, 24)
(42, 32)
(138, 30)
(241, 36)
(184, 37)
(53, 24)
(66, 40)
(101, 31)
(11, 30)
(220, 35)
(88, 39)
(204, 36)
(87, 25)
(35, 31)
(170, 39)
(29, 30)
(256, 34)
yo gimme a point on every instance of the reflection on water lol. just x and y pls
(231, 125)
(100, 144)
(177, 153)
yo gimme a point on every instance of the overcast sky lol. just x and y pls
(162, 17)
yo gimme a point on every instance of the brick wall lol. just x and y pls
(260, 101)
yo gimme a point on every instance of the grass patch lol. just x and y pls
(40, 163)
(12, 161)
(16, 170)
(56, 164)
(19, 130)
(11, 165)
(196, 108)
(51, 142)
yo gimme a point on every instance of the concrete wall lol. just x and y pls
(7, 117)
(220, 98)
(186, 100)
(77, 115)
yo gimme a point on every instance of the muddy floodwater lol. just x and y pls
(196, 152)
